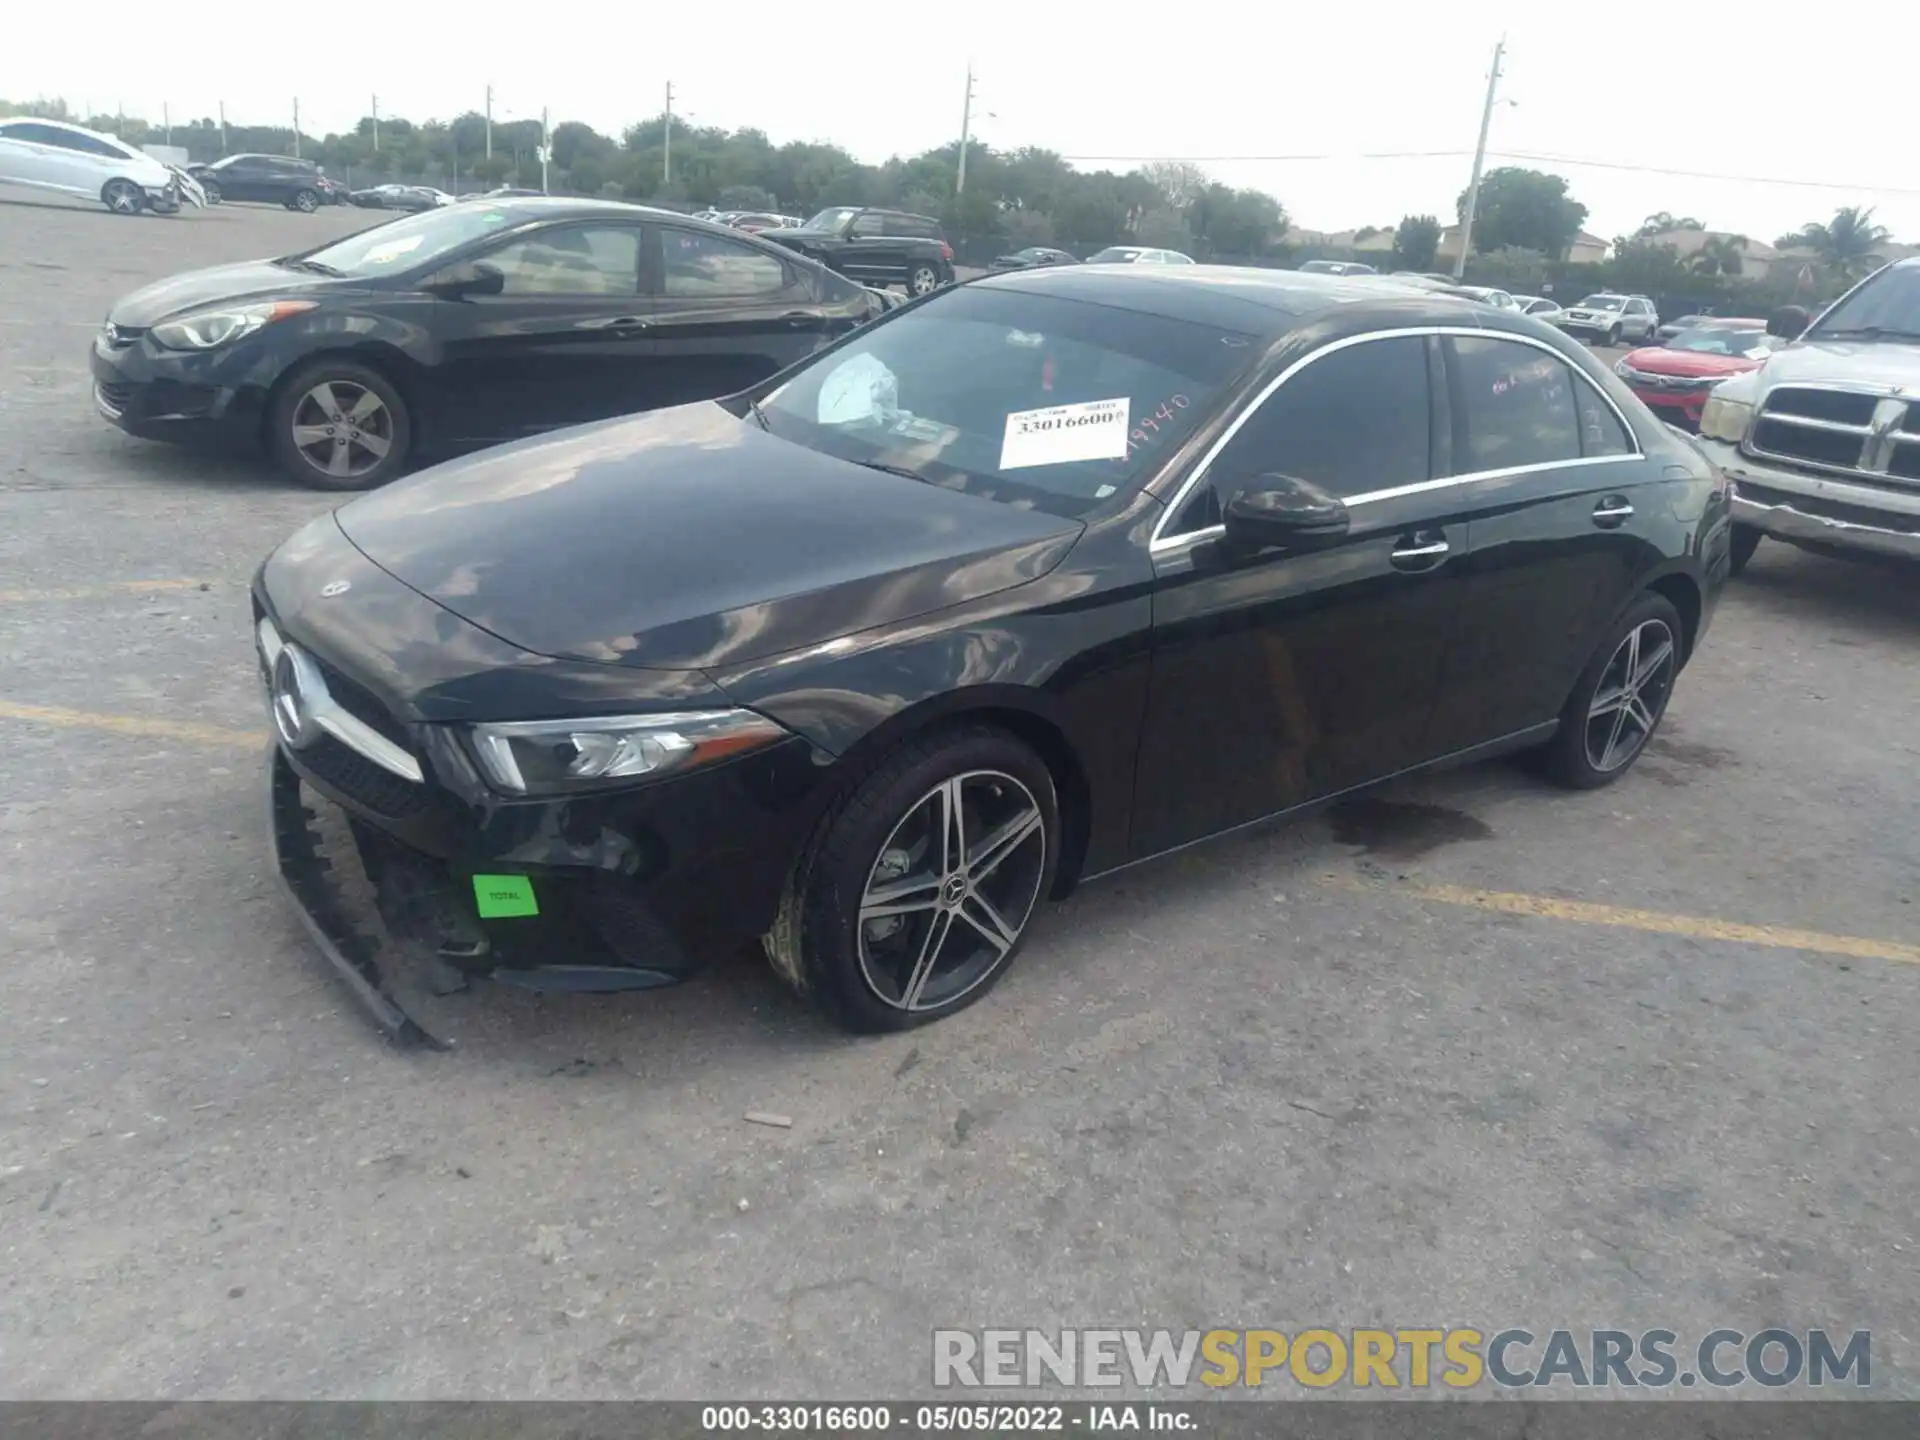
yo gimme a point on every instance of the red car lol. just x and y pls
(1674, 378)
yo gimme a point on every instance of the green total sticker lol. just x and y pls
(502, 897)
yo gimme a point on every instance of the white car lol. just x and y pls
(1138, 255)
(53, 155)
(1611, 319)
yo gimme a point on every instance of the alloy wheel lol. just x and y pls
(1631, 695)
(342, 429)
(951, 890)
(122, 197)
(925, 281)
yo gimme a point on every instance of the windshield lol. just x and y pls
(403, 244)
(1887, 304)
(833, 217)
(1115, 252)
(1750, 342)
(1030, 400)
(1604, 302)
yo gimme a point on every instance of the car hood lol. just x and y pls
(1658, 360)
(690, 539)
(1862, 362)
(251, 278)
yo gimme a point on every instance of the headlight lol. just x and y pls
(1724, 419)
(210, 328)
(536, 757)
(1622, 369)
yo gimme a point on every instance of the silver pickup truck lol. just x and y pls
(1822, 443)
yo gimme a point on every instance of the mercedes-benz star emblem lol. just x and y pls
(335, 587)
(294, 683)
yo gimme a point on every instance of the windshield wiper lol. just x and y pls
(1866, 332)
(899, 470)
(312, 267)
(753, 409)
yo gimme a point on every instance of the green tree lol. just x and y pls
(1845, 244)
(1527, 208)
(1663, 221)
(1719, 255)
(1416, 240)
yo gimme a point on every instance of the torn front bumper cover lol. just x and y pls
(306, 876)
(391, 921)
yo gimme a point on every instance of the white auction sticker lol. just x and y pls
(1061, 434)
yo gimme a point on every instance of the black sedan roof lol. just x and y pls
(1265, 303)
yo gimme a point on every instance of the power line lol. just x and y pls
(1534, 156)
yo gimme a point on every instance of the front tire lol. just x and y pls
(339, 425)
(1740, 547)
(1613, 336)
(923, 279)
(213, 191)
(1619, 700)
(914, 896)
(122, 197)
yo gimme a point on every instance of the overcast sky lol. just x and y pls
(1714, 88)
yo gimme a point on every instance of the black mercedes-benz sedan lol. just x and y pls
(458, 328)
(1030, 579)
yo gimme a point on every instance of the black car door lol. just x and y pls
(242, 179)
(1562, 519)
(564, 342)
(871, 254)
(1284, 676)
(726, 313)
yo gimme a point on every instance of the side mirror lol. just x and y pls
(1789, 322)
(471, 277)
(1278, 511)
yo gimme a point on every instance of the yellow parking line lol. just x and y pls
(131, 725)
(95, 592)
(1656, 922)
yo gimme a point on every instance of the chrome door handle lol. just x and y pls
(1612, 511)
(1420, 554)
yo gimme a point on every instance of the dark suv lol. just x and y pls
(875, 247)
(296, 184)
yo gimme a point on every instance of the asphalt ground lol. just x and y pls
(1472, 1051)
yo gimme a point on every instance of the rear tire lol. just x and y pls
(1740, 547)
(123, 197)
(1618, 702)
(923, 278)
(306, 201)
(339, 425)
(891, 919)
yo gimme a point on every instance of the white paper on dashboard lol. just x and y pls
(861, 389)
(1061, 434)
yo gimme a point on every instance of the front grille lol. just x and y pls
(1845, 430)
(362, 781)
(361, 703)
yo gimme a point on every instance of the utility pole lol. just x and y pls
(376, 124)
(546, 149)
(296, 127)
(223, 127)
(166, 121)
(666, 151)
(489, 122)
(966, 125)
(1479, 160)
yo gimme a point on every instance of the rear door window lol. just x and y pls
(1513, 405)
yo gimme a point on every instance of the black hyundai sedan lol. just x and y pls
(459, 328)
(1033, 578)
